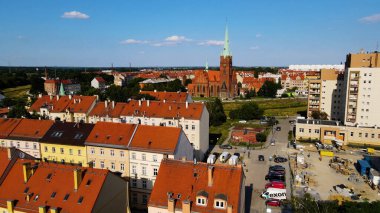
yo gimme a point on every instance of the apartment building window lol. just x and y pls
(122, 154)
(11, 144)
(134, 183)
(378, 136)
(113, 166)
(316, 131)
(144, 184)
(71, 151)
(366, 135)
(101, 151)
(193, 127)
(201, 201)
(46, 149)
(372, 135)
(102, 164)
(134, 198)
(309, 130)
(112, 152)
(93, 163)
(134, 169)
(79, 152)
(26, 145)
(53, 149)
(154, 158)
(62, 151)
(219, 204)
(352, 134)
(34, 146)
(144, 199)
(143, 157)
(301, 130)
(18, 144)
(92, 151)
(133, 156)
(155, 172)
(360, 134)
(122, 166)
(186, 126)
(143, 170)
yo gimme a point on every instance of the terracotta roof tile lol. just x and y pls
(57, 104)
(4, 110)
(192, 179)
(7, 125)
(111, 134)
(4, 161)
(29, 129)
(156, 139)
(100, 79)
(168, 96)
(50, 178)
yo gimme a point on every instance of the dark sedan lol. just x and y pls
(280, 160)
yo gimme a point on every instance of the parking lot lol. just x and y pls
(256, 170)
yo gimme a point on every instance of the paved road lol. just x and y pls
(255, 170)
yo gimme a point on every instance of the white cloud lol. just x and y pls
(163, 44)
(134, 41)
(211, 43)
(177, 38)
(75, 15)
(371, 19)
(254, 48)
(258, 35)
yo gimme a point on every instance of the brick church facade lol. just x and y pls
(210, 83)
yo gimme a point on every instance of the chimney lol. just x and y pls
(186, 206)
(139, 102)
(40, 95)
(70, 97)
(171, 204)
(27, 171)
(187, 104)
(51, 97)
(183, 158)
(155, 90)
(210, 175)
(10, 206)
(77, 178)
(106, 103)
(170, 107)
(57, 97)
(42, 209)
(164, 100)
(229, 209)
(97, 97)
(113, 104)
(147, 103)
(10, 151)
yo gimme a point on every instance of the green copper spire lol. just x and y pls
(206, 68)
(226, 49)
(61, 90)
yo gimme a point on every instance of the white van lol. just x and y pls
(233, 160)
(211, 159)
(224, 157)
(274, 193)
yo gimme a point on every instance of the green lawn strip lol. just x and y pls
(16, 92)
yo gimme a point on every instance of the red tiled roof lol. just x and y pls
(105, 133)
(4, 161)
(44, 101)
(100, 79)
(213, 76)
(31, 129)
(101, 110)
(7, 125)
(4, 110)
(156, 139)
(77, 104)
(178, 178)
(168, 96)
(41, 188)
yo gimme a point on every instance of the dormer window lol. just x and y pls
(220, 204)
(201, 201)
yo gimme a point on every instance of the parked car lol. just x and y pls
(276, 168)
(225, 146)
(276, 172)
(237, 154)
(242, 121)
(261, 158)
(275, 184)
(272, 142)
(278, 128)
(280, 159)
(275, 177)
(224, 157)
(273, 202)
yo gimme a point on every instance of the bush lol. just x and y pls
(247, 111)
(261, 137)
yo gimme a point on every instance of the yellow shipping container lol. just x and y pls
(326, 153)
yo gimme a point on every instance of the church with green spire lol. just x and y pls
(213, 83)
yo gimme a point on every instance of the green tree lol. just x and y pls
(216, 112)
(248, 111)
(261, 137)
(37, 84)
(269, 89)
(319, 115)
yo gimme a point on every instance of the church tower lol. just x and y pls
(226, 72)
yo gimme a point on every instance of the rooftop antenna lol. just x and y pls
(377, 46)
(130, 66)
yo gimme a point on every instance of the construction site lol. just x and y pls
(330, 175)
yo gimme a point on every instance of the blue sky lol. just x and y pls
(184, 32)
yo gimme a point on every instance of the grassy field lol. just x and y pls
(16, 92)
(272, 107)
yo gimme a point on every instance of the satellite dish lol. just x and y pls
(21, 155)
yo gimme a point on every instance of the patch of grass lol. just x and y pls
(221, 130)
(16, 92)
